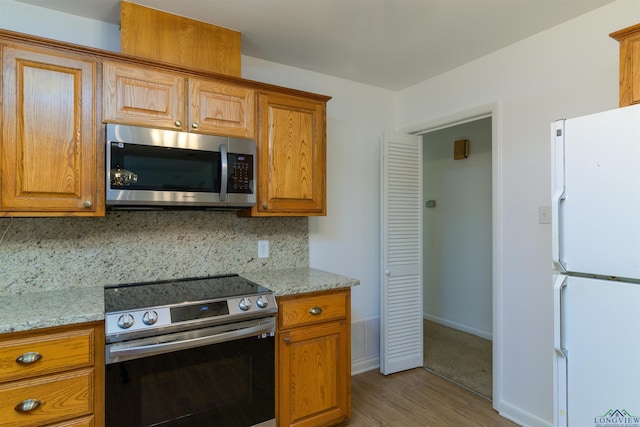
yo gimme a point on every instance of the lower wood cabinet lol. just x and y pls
(313, 353)
(53, 376)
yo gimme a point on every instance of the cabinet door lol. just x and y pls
(221, 109)
(50, 162)
(291, 156)
(143, 96)
(314, 375)
(629, 39)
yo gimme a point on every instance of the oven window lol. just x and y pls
(228, 384)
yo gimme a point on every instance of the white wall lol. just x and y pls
(457, 275)
(24, 18)
(567, 71)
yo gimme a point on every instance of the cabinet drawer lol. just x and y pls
(62, 396)
(58, 352)
(79, 422)
(304, 310)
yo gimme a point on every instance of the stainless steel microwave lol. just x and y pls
(155, 168)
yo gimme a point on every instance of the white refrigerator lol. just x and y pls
(596, 256)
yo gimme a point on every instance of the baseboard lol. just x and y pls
(459, 326)
(518, 416)
(362, 366)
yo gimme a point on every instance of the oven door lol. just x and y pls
(189, 381)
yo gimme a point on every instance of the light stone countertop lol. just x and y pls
(299, 280)
(27, 311)
(23, 312)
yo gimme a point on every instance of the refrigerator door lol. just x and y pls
(596, 200)
(598, 362)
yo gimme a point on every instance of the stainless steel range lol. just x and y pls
(190, 352)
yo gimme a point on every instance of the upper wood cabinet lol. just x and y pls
(150, 97)
(142, 96)
(222, 108)
(629, 39)
(50, 164)
(55, 97)
(291, 156)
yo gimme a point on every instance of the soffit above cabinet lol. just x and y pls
(161, 36)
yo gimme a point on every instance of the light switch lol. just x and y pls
(544, 214)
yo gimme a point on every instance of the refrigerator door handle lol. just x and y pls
(557, 198)
(558, 191)
(559, 284)
(560, 359)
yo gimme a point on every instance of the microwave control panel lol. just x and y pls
(240, 173)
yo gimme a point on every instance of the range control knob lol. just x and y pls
(150, 317)
(126, 321)
(244, 304)
(262, 302)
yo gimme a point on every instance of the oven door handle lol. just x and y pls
(127, 352)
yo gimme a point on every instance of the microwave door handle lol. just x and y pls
(224, 173)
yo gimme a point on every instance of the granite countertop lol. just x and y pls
(23, 312)
(27, 311)
(299, 280)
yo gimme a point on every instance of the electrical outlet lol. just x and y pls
(263, 249)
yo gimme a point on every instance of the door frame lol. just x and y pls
(492, 110)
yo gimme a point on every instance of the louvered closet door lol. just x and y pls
(401, 246)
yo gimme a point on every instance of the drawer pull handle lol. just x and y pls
(316, 311)
(28, 358)
(287, 340)
(27, 405)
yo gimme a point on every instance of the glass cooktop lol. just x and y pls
(132, 296)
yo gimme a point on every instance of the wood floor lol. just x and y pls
(417, 398)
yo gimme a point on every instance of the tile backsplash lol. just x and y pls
(38, 254)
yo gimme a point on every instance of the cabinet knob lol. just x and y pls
(28, 358)
(315, 311)
(27, 405)
(87, 203)
(264, 206)
(287, 340)
(178, 123)
(194, 125)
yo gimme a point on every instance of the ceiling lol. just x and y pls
(391, 44)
